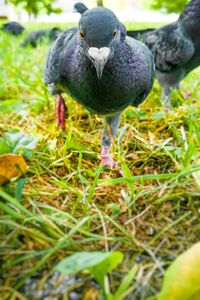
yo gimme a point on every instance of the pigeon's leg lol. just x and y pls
(60, 111)
(166, 97)
(168, 82)
(110, 130)
(167, 94)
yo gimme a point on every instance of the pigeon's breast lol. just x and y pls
(122, 82)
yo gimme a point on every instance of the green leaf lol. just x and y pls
(8, 106)
(20, 143)
(85, 260)
(4, 147)
(80, 261)
(110, 261)
(182, 279)
(97, 263)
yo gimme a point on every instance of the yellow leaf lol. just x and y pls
(11, 165)
(182, 278)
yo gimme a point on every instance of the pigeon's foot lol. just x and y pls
(167, 109)
(107, 161)
(186, 96)
(106, 158)
(60, 111)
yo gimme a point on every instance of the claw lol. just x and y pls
(186, 96)
(167, 109)
(107, 161)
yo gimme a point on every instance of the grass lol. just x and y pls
(70, 204)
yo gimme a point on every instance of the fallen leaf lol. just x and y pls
(11, 165)
(182, 278)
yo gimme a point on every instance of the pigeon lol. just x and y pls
(176, 49)
(80, 7)
(34, 37)
(102, 69)
(13, 27)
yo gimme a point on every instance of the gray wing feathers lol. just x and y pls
(141, 49)
(52, 66)
(170, 50)
(147, 60)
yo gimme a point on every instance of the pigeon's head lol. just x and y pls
(100, 35)
(80, 7)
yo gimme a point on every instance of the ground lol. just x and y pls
(151, 214)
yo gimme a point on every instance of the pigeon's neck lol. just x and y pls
(191, 13)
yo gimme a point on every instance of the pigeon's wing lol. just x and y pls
(52, 66)
(170, 47)
(145, 64)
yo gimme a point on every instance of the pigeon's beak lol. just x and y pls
(99, 58)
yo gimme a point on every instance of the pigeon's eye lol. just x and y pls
(114, 33)
(82, 34)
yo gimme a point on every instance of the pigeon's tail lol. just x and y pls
(136, 34)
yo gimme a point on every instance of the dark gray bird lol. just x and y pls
(80, 7)
(13, 27)
(34, 37)
(101, 68)
(175, 48)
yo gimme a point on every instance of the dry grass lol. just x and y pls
(151, 214)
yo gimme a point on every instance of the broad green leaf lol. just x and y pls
(110, 261)
(85, 260)
(7, 106)
(182, 279)
(80, 261)
(18, 142)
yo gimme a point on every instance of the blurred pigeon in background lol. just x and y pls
(102, 69)
(175, 48)
(34, 37)
(13, 27)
